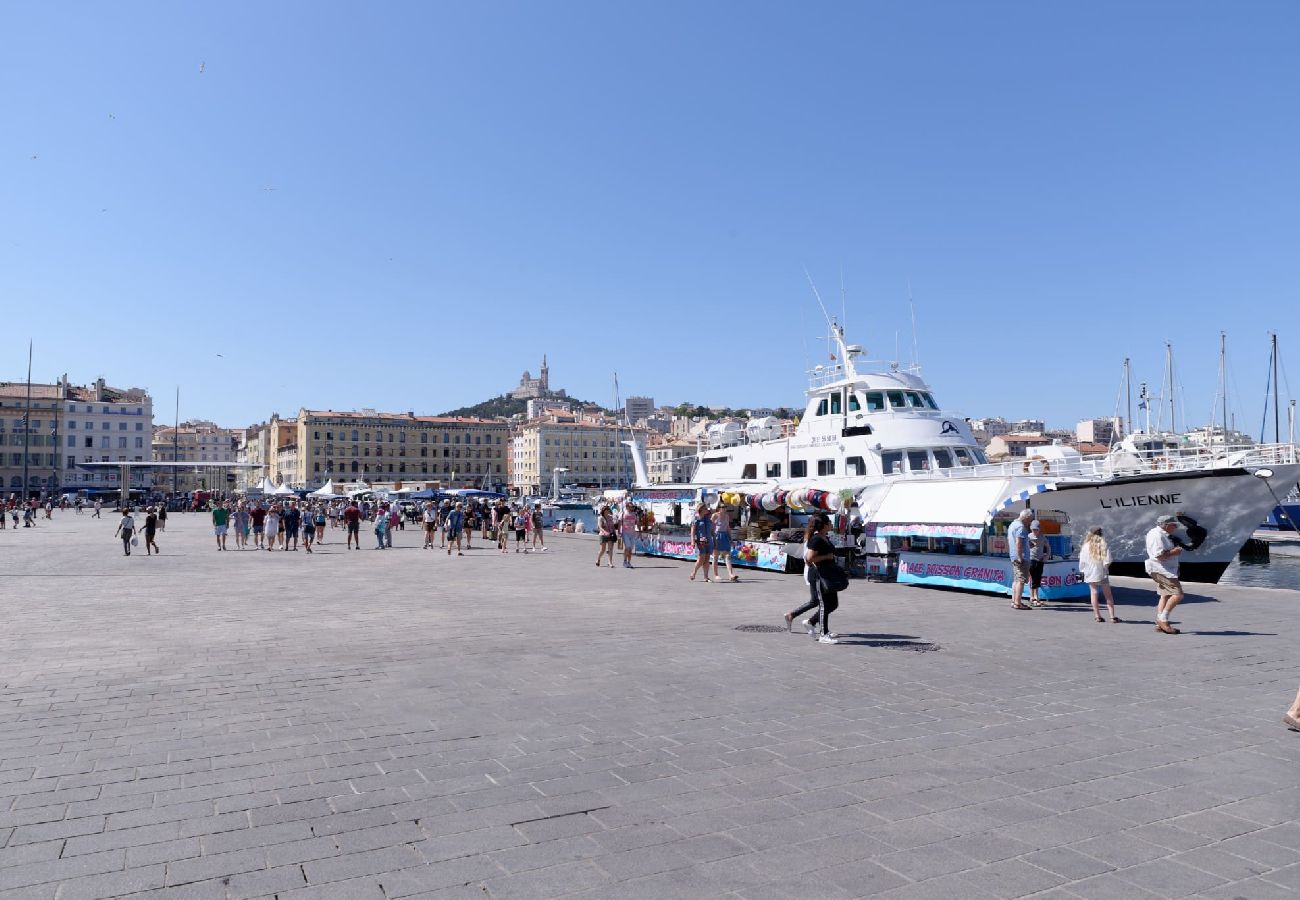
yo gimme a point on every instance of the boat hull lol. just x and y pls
(1227, 503)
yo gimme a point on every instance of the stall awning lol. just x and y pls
(942, 507)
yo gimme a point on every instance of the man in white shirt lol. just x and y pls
(1162, 566)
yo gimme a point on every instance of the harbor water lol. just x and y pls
(1279, 572)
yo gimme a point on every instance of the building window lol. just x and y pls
(798, 468)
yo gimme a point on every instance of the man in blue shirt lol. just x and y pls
(455, 525)
(1018, 550)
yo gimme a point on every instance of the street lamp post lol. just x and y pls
(555, 481)
(27, 426)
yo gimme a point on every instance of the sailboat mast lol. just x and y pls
(1223, 381)
(1128, 390)
(1277, 431)
(1169, 366)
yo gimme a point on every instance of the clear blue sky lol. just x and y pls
(403, 205)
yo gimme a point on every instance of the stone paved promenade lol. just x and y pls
(400, 724)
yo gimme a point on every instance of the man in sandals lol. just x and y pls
(1162, 566)
(1018, 550)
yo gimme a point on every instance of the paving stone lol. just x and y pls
(372, 744)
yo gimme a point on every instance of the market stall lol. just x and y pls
(953, 534)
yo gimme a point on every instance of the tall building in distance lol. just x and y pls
(70, 425)
(1099, 431)
(196, 441)
(385, 448)
(639, 408)
(590, 452)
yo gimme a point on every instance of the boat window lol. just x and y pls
(750, 471)
(798, 468)
(896, 399)
(854, 405)
(929, 400)
(837, 403)
(942, 459)
(918, 461)
(855, 465)
(963, 456)
(825, 467)
(773, 470)
(875, 401)
(821, 407)
(980, 458)
(891, 461)
(914, 400)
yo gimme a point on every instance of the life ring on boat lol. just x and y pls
(1047, 465)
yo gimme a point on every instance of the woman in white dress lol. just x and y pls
(272, 526)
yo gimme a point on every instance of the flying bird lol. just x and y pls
(202, 67)
(35, 155)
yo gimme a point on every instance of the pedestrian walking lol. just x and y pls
(722, 542)
(308, 530)
(1094, 565)
(162, 516)
(352, 520)
(99, 507)
(126, 530)
(292, 517)
(273, 526)
(150, 530)
(394, 523)
(702, 540)
(539, 528)
(455, 525)
(239, 524)
(1018, 550)
(220, 523)
(381, 528)
(629, 522)
(1162, 566)
(606, 529)
(520, 521)
(1040, 551)
(1291, 719)
(257, 515)
(430, 518)
(823, 576)
(319, 523)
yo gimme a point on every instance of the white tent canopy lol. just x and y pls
(282, 490)
(326, 490)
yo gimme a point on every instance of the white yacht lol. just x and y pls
(864, 433)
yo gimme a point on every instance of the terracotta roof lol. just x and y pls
(1023, 439)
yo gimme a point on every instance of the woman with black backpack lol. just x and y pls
(825, 580)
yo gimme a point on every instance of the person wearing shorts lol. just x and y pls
(1018, 550)
(722, 542)
(430, 516)
(1039, 553)
(258, 516)
(520, 523)
(607, 528)
(455, 526)
(220, 521)
(1162, 566)
(539, 528)
(352, 519)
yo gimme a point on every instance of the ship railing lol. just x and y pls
(823, 375)
(1109, 465)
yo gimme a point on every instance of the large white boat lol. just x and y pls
(880, 433)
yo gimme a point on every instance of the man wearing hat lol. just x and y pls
(1018, 550)
(1162, 566)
